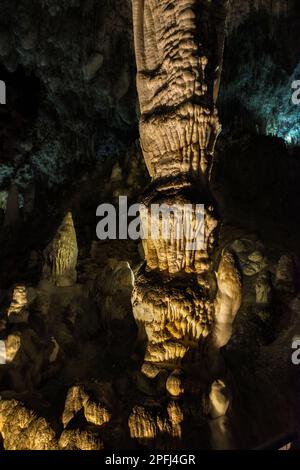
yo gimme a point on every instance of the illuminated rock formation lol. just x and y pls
(285, 274)
(12, 346)
(12, 213)
(145, 425)
(179, 123)
(228, 300)
(219, 402)
(77, 399)
(22, 429)
(178, 301)
(75, 439)
(22, 297)
(61, 255)
(142, 424)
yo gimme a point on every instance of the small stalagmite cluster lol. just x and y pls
(179, 302)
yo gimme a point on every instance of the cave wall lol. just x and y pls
(80, 51)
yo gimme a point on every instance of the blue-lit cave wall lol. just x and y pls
(262, 59)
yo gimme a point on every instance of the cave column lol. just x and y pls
(179, 47)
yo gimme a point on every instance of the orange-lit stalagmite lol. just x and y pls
(179, 302)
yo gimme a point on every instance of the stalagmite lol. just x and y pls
(285, 274)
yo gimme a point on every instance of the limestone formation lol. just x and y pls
(219, 399)
(77, 399)
(172, 318)
(219, 402)
(254, 264)
(75, 439)
(12, 346)
(174, 384)
(171, 425)
(2, 353)
(285, 274)
(228, 299)
(142, 424)
(12, 213)
(185, 141)
(179, 123)
(263, 289)
(22, 429)
(61, 255)
(175, 413)
(113, 287)
(55, 350)
(177, 299)
(147, 424)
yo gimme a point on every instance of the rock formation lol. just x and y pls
(204, 361)
(61, 255)
(177, 300)
(22, 429)
(12, 213)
